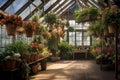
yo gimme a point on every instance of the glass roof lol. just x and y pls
(18, 4)
(29, 9)
(66, 7)
(15, 6)
(51, 2)
(2, 2)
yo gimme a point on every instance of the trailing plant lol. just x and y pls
(86, 14)
(112, 15)
(50, 18)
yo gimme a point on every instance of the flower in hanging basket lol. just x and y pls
(13, 19)
(30, 27)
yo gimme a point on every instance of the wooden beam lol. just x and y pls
(64, 7)
(81, 4)
(23, 7)
(7, 4)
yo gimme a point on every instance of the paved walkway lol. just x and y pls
(73, 70)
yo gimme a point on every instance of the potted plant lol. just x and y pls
(65, 50)
(50, 18)
(112, 18)
(30, 27)
(12, 22)
(86, 14)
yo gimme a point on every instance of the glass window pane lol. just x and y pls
(2, 2)
(72, 38)
(15, 6)
(51, 2)
(66, 7)
(29, 9)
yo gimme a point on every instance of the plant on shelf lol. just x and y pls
(65, 50)
(20, 46)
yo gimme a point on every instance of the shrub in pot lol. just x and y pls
(65, 50)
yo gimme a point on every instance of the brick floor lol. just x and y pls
(73, 70)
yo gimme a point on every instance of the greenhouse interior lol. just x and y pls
(59, 40)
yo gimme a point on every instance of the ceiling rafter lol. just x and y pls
(80, 3)
(64, 7)
(50, 8)
(91, 3)
(23, 7)
(35, 10)
(59, 5)
(85, 3)
(7, 4)
(67, 9)
(33, 4)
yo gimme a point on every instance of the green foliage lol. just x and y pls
(65, 50)
(2, 56)
(111, 17)
(93, 13)
(96, 27)
(19, 46)
(96, 44)
(50, 18)
(35, 17)
(71, 29)
(102, 55)
(53, 45)
(86, 14)
(25, 70)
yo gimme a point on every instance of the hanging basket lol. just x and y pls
(11, 29)
(112, 28)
